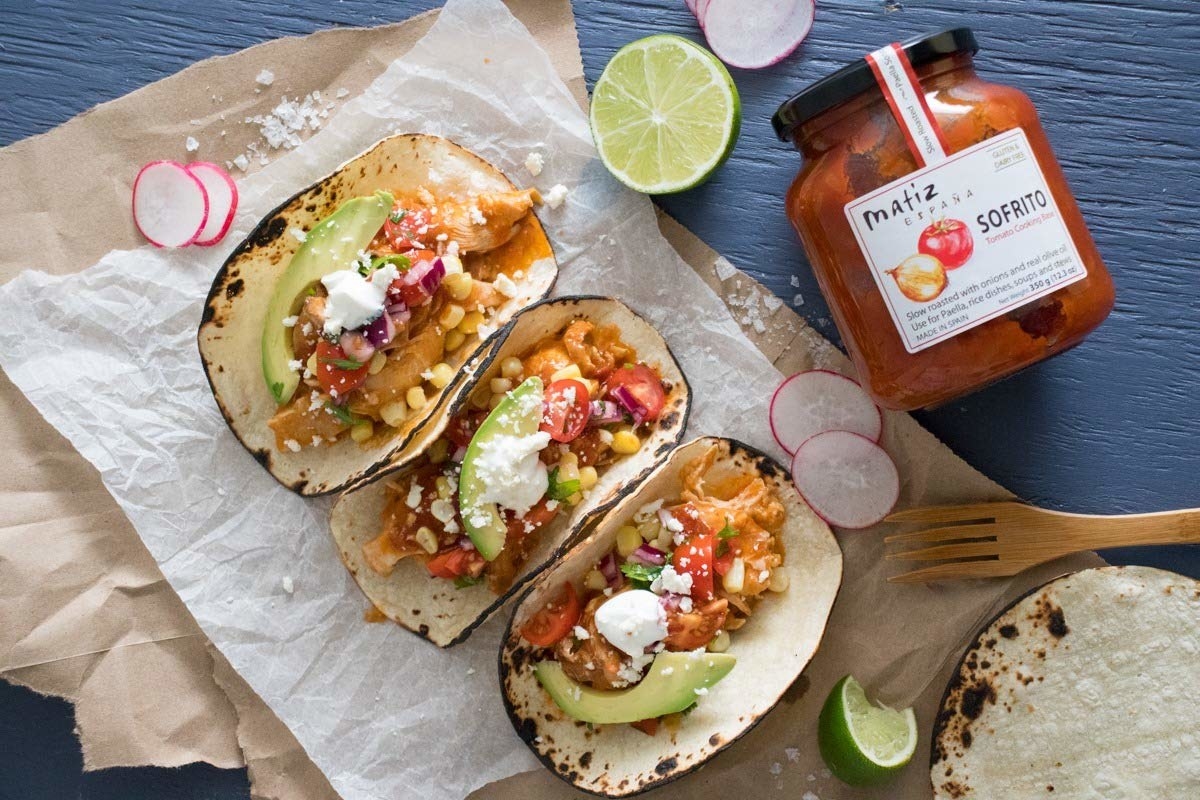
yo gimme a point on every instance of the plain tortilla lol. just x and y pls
(772, 649)
(230, 336)
(434, 608)
(1089, 687)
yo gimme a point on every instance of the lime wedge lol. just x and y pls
(665, 114)
(864, 744)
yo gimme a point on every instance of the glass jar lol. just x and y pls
(938, 222)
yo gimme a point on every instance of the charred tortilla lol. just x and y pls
(435, 608)
(772, 649)
(1089, 686)
(234, 314)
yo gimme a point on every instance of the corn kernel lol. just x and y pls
(720, 642)
(459, 285)
(628, 540)
(427, 539)
(452, 316)
(649, 530)
(494, 401)
(362, 431)
(311, 364)
(568, 462)
(441, 375)
(454, 340)
(665, 540)
(415, 397)
(470, 323)
(566, 373)
(575, 499)
(501, 385)
(377, 363)
(592, 386)
(481, 400)
(587, 477)
(453, 264)
(394, 413)
(626, 443)
(443, 487)
(595, 581)
(511, 367)
(439, 451)
(779, 580)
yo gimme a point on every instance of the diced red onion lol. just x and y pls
(670, 601)
(428, 274)
(458, 455)
(379, 331)
(356, 345)
(650, 556)
(631, 404)
(608, 568)
(605, 412)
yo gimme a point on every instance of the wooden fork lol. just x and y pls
(991, 540)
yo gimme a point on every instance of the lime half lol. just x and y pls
(665, 114)
(864, 744)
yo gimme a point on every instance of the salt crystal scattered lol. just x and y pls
(809, 796)
(288, 584)
(342, 92)
(265, 78)
(470, 670)
(191, 144)
(724, 269)
(795, 282)
(241, 162)
(792, 753)
(798, 300)
(772, 303)
(776, 768)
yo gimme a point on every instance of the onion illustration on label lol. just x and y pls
(921, 277)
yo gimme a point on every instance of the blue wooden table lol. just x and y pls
(1109, 427)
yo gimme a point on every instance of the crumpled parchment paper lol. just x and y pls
(108, 356)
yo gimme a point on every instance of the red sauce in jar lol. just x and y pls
(938, 222)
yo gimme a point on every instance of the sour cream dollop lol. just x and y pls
(632, 621)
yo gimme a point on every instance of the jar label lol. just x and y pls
(965, 240)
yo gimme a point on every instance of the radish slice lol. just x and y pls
(697, 7)
(816, 401)
(222, 201)
(850, 481)
(755, 37)
(170, 206)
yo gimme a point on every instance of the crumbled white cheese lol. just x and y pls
(580, 633)
(650, 509)
(295, 365)
(632, 621)
(292, 444)
(289, 585)
(507, 467)
(505, 286)
(298, 234)
(353, 300)
(555, 197)
(414, 495)
(700, 691)
(671, 581)
(265, 78)
(290, 322)
(476, 215)
(534, 163)
(317, 441)
(315, 400)
(191, 144)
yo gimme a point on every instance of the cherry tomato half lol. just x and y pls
(555, 620)
(949, 241)
(695, 557)
(403, 228)
(336, 371)
(454, 563)
(645, 386)
(462, 428)
(566, 408)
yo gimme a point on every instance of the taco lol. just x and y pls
(675, 626)
(339, 328)
(1084, 688)
(577, 400)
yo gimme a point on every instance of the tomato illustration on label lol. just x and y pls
(921, 277)
(949, 241)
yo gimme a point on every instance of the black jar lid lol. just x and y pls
(856, 78)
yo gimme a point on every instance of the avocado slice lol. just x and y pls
(518, 414)
(332, 245)
(674, 683)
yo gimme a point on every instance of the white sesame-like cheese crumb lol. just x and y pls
(414, 495)
(265, 78)
(290, 322)
(298, 234)
(581, 633)
(295, 365)
(292, 444)
(505, 286)
(555, 197)
(671, 581)
(534, 163)
(191, 144)
(700, 691)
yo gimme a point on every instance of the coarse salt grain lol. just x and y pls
(265, 78)
(191, 144)
(724, 268)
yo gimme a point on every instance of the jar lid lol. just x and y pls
(856, 78)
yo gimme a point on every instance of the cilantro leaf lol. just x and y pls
(561, 490)
(401, 262)
(343, 363)
(728, 532)
(342, 413)
(463, 581)
(396, 216)
(640, 575)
